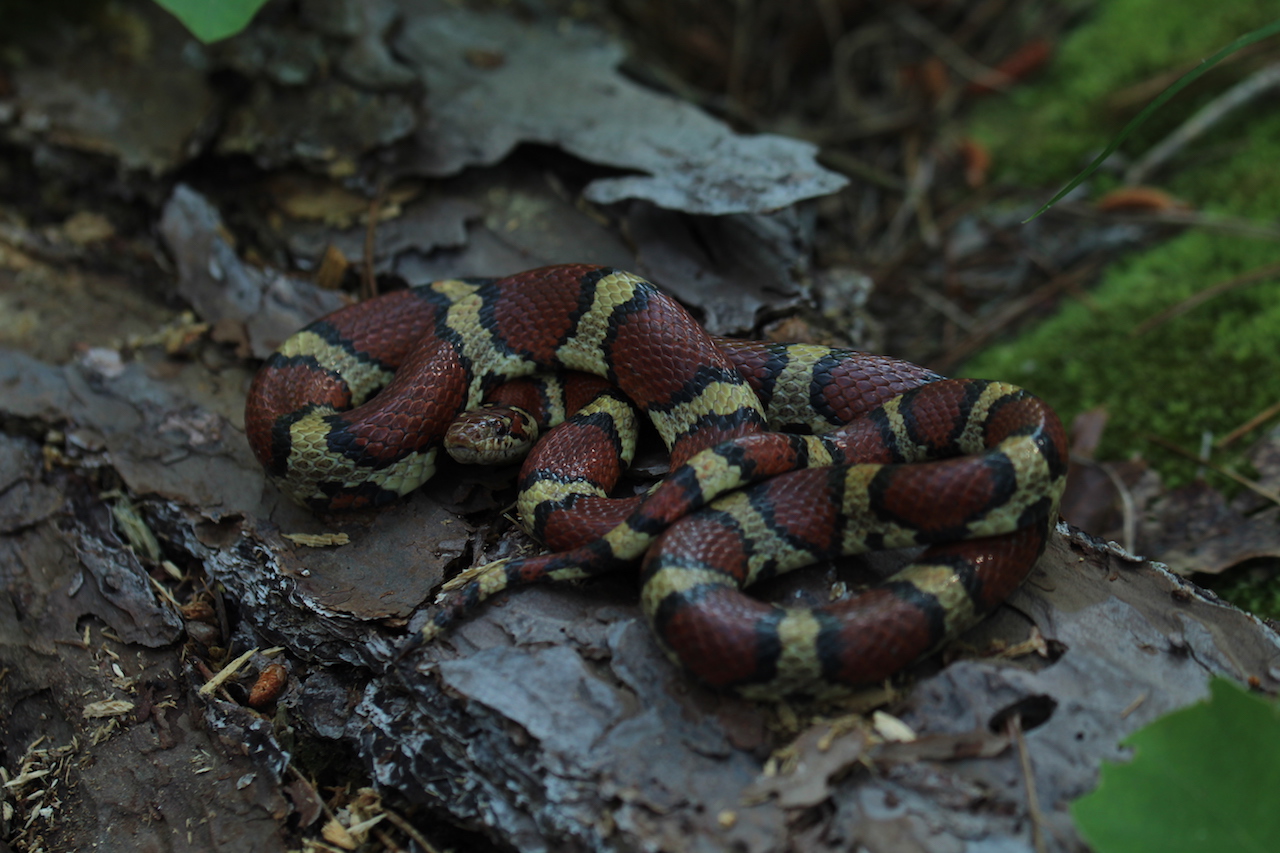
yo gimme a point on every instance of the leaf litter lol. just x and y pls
(551, 718)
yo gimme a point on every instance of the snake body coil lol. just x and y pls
(351, 412)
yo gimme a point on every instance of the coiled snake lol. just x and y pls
(352, 411)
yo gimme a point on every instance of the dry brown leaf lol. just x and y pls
(1139, 200)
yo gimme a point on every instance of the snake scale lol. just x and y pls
(781, 455)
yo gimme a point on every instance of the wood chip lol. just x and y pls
(317, 540)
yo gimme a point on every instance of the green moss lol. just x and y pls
(1044, 133)
(1207, 370)
(1235, 169)
(1216, 365)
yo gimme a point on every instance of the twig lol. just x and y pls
(855, 167)
(919, 168)
(1246, 90)
(1262, 230)
(887, 122)
(924, 211)
(977, 17)
(387, 841)
(943, 306)
(1014, 727)
(947, 50)
(1135, 96)
(226, 672)
(409, 830)
(1231, 475)
(1133, 706)
(164, 592)
(842, 71)
(1249, 426)
(1014, 309)
(1128, 509)
(1196, 299)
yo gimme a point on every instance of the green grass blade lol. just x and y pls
(1182, 82)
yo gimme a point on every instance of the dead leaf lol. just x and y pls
(1139, 200)
(223, 288)
(1022, 63)
(977, 162)
(685, 159)
(266, 689)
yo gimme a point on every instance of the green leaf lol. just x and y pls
(210, 20)
(1202, 780)
(1181, 83)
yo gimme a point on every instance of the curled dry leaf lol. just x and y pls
(976, 158)
(1022, 63)
(930, 77)
(1139, 200)
(267, 688)
(199, 611)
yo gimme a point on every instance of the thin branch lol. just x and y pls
(1249, 426)
(1261, 229)
(1014, 728)
(1230, 475)
(1197, 299)
(1238, 95)
(1128, 508)
(1187, 79)
(410, 830)
(1014, 309)
(947, 50)
(855, 167)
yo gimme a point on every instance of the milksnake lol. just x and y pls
(352, 410)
